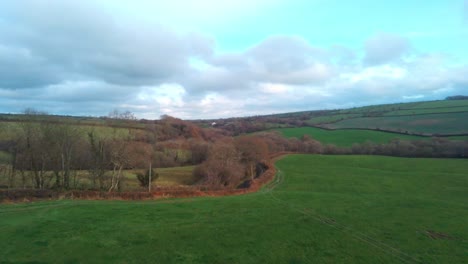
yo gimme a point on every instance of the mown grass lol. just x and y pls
(344, 138)
(320, 209)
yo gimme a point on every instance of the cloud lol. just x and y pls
(384, 47)
(84, 41)
(278, 59)
(465, 11)
(20, 68)
(76, 57)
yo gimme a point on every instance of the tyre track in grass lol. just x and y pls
(354, 233)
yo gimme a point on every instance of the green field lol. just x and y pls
(417, 111)
(168, 177)
(319, 209)
(344, 138)
(331, 118)
(441, 104)
(174, 176)
(10, 130)
(427, 124)
(432, 117)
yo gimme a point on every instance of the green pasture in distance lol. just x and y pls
(420, 111)
(453, 123)
(433, 106)
(440, 104)
(8, 130)
(331, 118)
(174, 176)
(319, 209)
(344, 138)
(5, 157)
(378, 108)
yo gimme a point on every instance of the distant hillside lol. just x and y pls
(457, 97)
(442, 118)
(430, 118)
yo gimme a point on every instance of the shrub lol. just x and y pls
(144, 178)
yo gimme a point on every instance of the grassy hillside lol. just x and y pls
(344, 138)
(454, 123)
(174, 176)
(433, 117)
(320, 209)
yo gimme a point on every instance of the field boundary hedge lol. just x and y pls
(393, 131)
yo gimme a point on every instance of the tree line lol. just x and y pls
(55, 156)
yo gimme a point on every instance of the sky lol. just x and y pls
(199, 59)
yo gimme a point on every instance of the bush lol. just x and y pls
(144, 178)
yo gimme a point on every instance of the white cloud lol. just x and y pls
(413, 97)
(93, 61)
(376, 73)
(274, 88)
(385, 47)
(165, 95)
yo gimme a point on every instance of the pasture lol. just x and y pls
(344, 138)
(82, 179)
(319, 209)
(444, 123)
(444, 117)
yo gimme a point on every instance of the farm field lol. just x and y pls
(432, 117)
(424, 111)
(319, 209)
(444, 123)
(10, 130)
(174, 176)
(344, 138)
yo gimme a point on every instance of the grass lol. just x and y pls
(174, 176)
(320, 209)
(5, 157)
(418, 111)
(441, 103)
(331, 118)
(428, 124)
(344, 138)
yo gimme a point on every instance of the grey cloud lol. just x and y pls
(86, 41)
(73, 57)
(278, 59)
(20, 68)
(282, 54)
(384, 47)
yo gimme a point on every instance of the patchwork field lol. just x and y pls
(445, 117)
(319, 209)
(344, 138)
(454, 123)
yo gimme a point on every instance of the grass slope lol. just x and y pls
(344, 138)
(432, 117)
(320, 209)
(454, 123)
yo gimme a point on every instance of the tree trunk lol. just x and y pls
(149, 180)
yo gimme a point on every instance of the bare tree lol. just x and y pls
(99, 160)
(252, 151)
